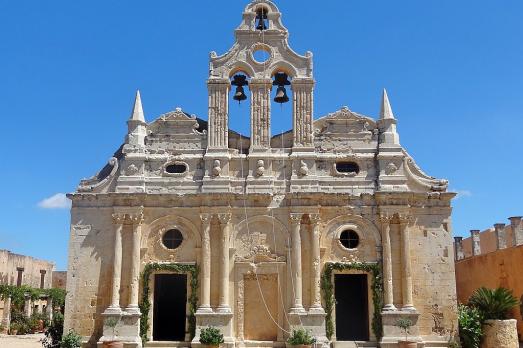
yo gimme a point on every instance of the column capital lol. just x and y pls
(404, 218)
(295, 218)
(315, 218)
(224, 218)
(206, 218)
(136, 218)
(217, 81)
(118, 219)
(385, 218)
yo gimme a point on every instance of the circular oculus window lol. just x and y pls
(349, 239)
(172, 239)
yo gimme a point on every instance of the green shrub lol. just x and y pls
(71, 340)
(53, 334)
(493, 303)
(211, 336)
(301, 337)
(469, 320)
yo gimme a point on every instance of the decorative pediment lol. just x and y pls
(344, 121)
(175, 122)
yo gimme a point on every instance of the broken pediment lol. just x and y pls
(344, 121)
(175, 122)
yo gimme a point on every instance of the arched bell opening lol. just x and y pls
(261, 21)
(239, 102)
(281, 102)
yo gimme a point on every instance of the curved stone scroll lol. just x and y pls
(99, 181)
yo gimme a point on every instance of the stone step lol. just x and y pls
(354, 344)
(167, 344)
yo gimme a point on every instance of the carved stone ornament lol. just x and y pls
(260, 168)
(391, 168)
(132, 170)
(216, 168)
(304, 170)
(253, 247)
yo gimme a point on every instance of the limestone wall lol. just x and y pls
(10, 262)
(492, 270)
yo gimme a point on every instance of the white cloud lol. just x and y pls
(462, 193)
(57, 201)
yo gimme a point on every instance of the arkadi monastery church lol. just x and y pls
(330, 226)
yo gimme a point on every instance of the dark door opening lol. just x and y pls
(170, 299)
(352, 308)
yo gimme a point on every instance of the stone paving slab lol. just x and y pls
(21, 341)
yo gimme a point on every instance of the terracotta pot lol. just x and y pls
(112, 345)
(40, 325)
(407, 344)
(210, 345)
(13, 332)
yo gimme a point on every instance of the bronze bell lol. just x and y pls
(239, 81)
(281, 95)
(281, 80)
(261, 16)
(239, 95)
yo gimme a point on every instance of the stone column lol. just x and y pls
(458, 249)
(118, 220)
(28, 307)
(315, 266)
(49, 309)
(501, 239)
(205, 301)
(225, 221)
(476, 242)
(408, 304)
(137, 220)
(218, 132)
(6, 320)
(296, 262)
(260, 113)
(388, 304)
(303, 106)
(517, 230)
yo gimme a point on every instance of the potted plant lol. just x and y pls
(211, 337)
(71, 340)
(14, 327)
(494, 306)
(405, 324)
(301, 338)
(112, 322)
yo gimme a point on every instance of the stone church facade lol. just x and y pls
(330, 226)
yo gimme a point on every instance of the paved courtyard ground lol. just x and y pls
(21, 341)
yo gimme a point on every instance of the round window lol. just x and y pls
(172, 239)
(349, 239)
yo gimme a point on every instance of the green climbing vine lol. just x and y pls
(18, 294)
(327, 288)
(145, 304)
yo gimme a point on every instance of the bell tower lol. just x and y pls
(261, 30)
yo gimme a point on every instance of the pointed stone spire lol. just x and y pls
(136, 125)
(137, 114)
(386, 110)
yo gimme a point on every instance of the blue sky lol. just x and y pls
(69, 71)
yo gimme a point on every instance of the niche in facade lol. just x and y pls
(176, 168)
(347, 168)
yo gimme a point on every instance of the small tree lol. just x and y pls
(112, 323)
(404, 324)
